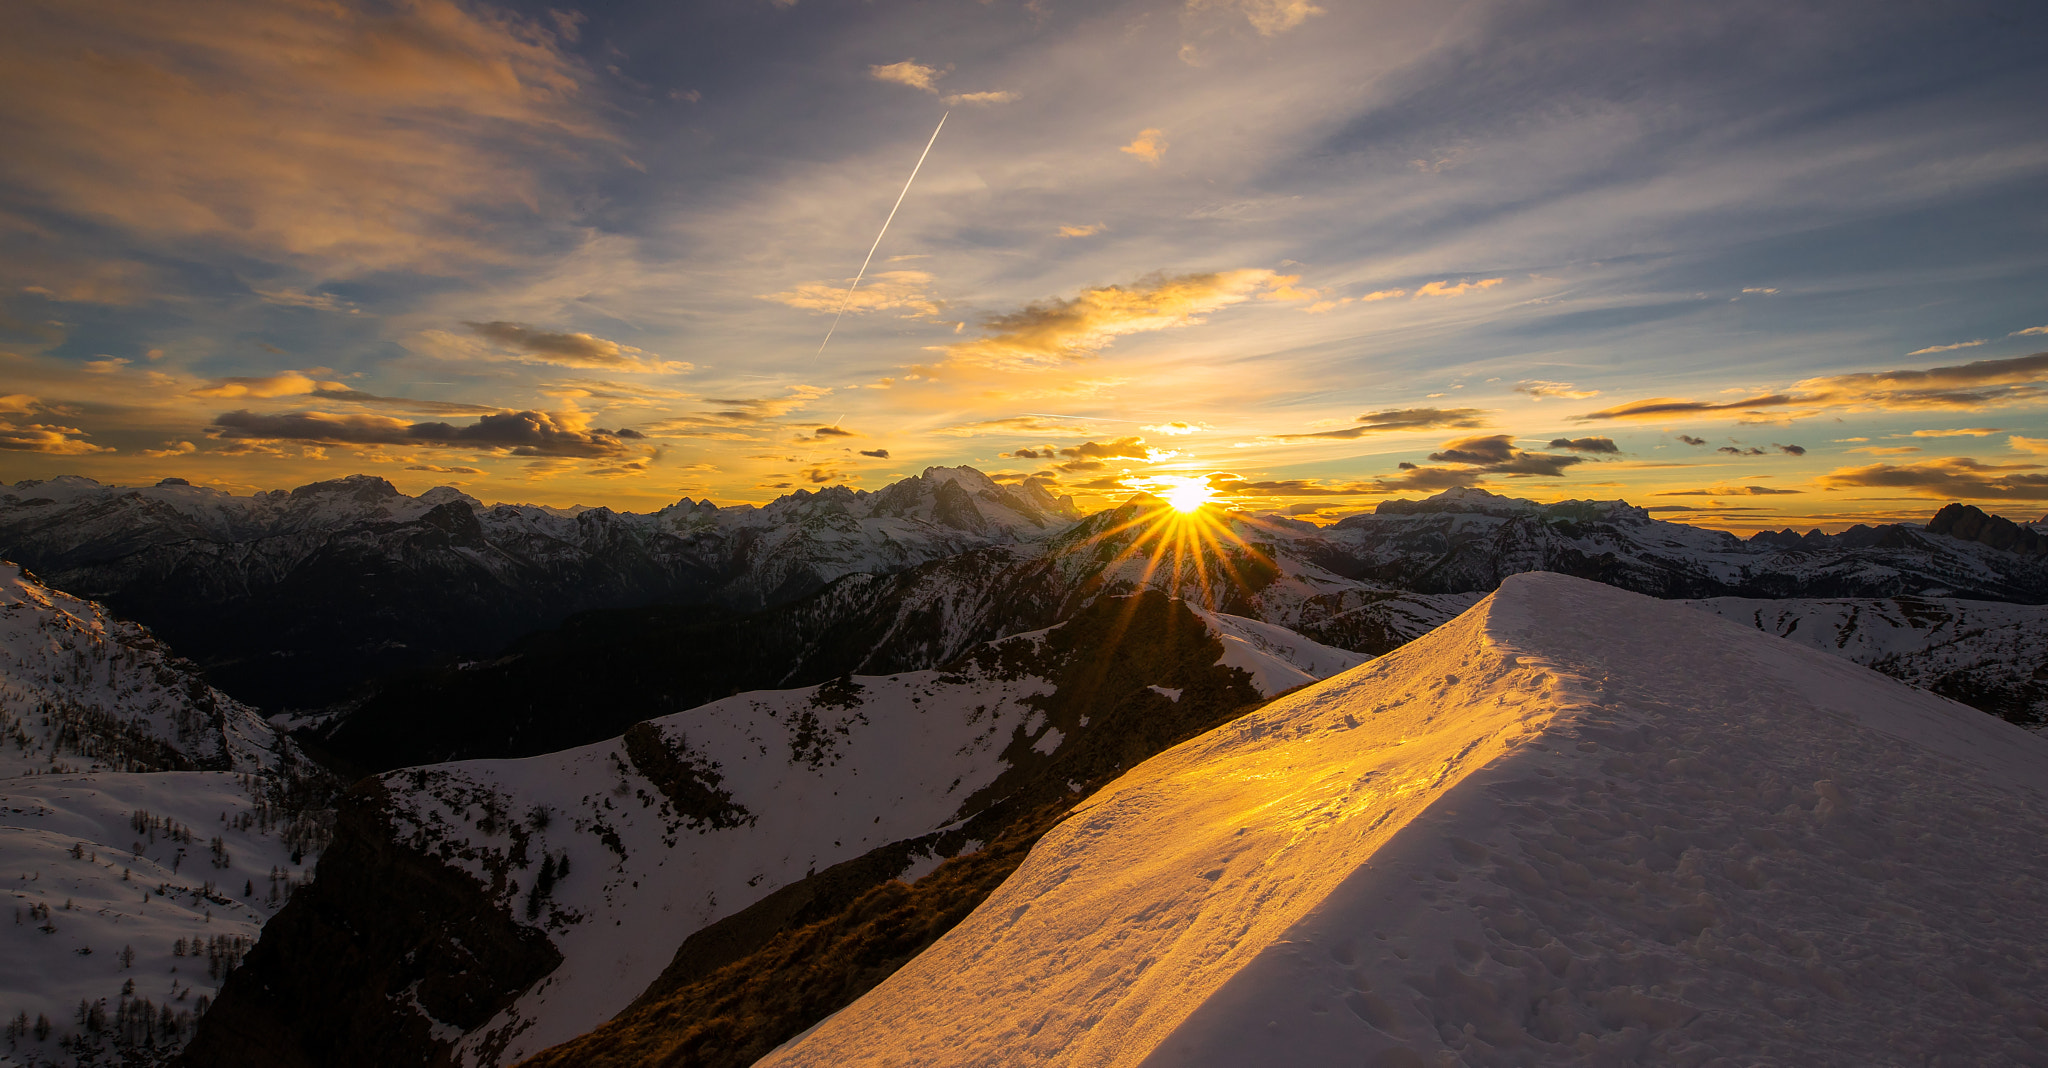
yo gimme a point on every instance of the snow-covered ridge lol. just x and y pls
(1574, 826)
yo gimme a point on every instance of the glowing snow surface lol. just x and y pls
(1574, 826)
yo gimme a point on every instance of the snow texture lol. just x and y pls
(1574, 826)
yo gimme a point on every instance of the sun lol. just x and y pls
(1188, 494)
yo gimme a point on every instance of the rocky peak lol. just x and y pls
(1970, 523)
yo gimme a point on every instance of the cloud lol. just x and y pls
(46, 438)
(883, 291)
(1953, 477)
(2029, 330)
(909, 72)
(1269, 17)
(1393, 419)
(1496, 454)
(2036, 446)
(1758, 289)
(832, 432)
(1790, 450)
(818, 475)
(984, 99)
(1733, 451)
(170, 449)
(1972, 432)
(571, 350)
(1032, 454)
(1965, 387)
(1149, 145)
(1585, 444)
(301, 384)
(1730, 491)
(1016, 424)
(1132, 448)
(1056, 331)
(1177, 428)
(749, 409)
(1690, 440)
(1232, 486)
(879, 454)
(1948, 348)
(1089, 230)
(1540, 390)
(1445, 289)
(600, 389)
(1894, 450)
(527, 433)
(292, 298)
(439, 470)
(356, 136)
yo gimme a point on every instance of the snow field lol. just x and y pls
(110, 896)
(1576, 826)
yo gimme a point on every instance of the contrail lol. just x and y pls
(848, 302)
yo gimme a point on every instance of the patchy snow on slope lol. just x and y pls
(107, 874)
(1276, 658)
(1574, 826)
(81, 690)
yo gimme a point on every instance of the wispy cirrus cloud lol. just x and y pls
(1537, 390)
(908, 72)
(1965, 387)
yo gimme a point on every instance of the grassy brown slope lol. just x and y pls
(748, 983)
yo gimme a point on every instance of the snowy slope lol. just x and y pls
(139, 808)
(689, 818)
(81, 690)
(1574, 826)
(1987, 654)
(98, 864)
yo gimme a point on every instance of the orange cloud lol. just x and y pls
(1952, 477)
(359, 137)
(1149, 146)
(1054, 331)
(885, 291)
(1446, 289)
(909, 72)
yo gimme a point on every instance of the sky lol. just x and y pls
(1751, 265)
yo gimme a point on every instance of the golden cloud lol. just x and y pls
(1729, 491)
(301, 384)
(46, 438)
(359, 137)
(1269, 17)
(885, 291)
(1948, 348)
(909, 72)
(1538, 390)
(1089, 230)
(1952, 477)
(1148, 146)
(1446, 289)
(1055, 331)
(984, 99)
(2035, 446)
